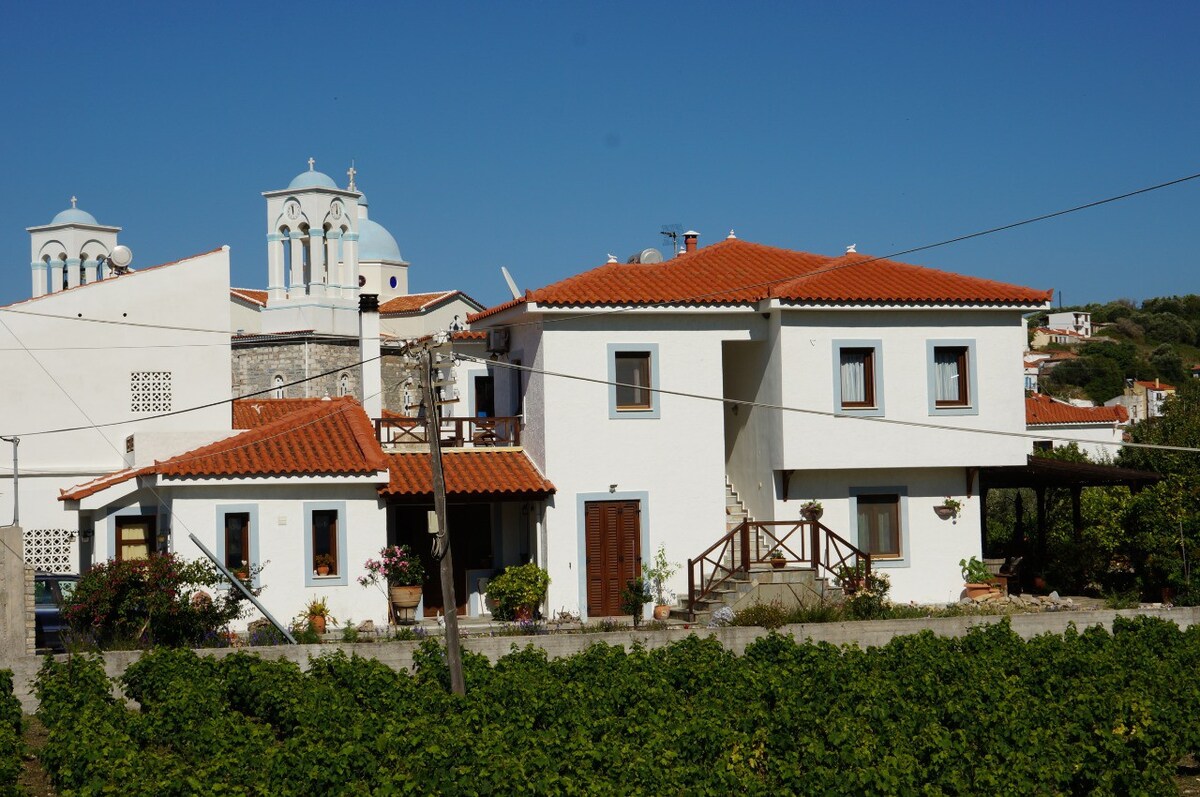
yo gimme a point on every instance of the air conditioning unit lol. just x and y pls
(497, 341)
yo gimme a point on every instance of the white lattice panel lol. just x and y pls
(49, 550)
(150, 391)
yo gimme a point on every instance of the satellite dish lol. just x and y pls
(121, 256)
(651, 255)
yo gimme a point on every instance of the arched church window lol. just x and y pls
(344, 385)
(278, 386)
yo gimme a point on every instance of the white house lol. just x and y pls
(304, 484)
(1101, 428)
(1077, 321)
(1143, 399)
(790, 376)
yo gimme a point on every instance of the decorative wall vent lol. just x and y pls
(49, 550)
(150, 391)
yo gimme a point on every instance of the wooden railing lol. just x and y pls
(454, 432)
(807, 543)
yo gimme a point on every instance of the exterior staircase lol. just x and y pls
(792, 585)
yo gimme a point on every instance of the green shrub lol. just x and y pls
(155, 601)
(518, 587)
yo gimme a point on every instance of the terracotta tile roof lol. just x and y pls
(250, 295)
(737, 272)
(1043, 410)
(1156, 385)
(250, 413)
(332, 437)
(474, 472)
(469, 334)
(416, 302)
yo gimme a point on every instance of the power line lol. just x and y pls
(824, 413)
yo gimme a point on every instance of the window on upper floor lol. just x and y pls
(953, 384)
(950, 378)
(857, 378)
(325, 542)
(633, 377)
(857, 372)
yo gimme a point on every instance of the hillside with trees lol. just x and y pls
(1158, 340)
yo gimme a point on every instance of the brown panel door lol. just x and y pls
(613, 547)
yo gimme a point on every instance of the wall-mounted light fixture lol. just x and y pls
(612, 488)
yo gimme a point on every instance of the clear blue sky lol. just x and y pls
(542, 136)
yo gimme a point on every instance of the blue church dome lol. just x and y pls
(375, 242)
(74, 216)
(312, 180)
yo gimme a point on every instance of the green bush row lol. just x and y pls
(11, 748)
(1081, 713)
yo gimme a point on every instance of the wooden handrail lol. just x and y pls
(820, 549)
(453, 431)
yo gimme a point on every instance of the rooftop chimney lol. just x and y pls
(689, 241)
(368, 348)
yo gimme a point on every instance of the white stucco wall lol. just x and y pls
(278, 537)
(808, 357)
(1105, 441)
(76, 373)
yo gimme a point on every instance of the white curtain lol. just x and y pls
(854, 377)
(945, 375)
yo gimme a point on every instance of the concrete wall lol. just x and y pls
(1106, 440)
(16, 594)
(399, 655)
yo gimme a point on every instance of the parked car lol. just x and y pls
(49, 592)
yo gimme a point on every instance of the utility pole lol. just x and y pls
(432, 360)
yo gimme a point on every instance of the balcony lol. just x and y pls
(452, 432)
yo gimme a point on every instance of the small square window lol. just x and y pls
(325, 542)
(633, 378)
(951, 381)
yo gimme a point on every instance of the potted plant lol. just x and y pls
(776, 557)
(318, 615)
(518, 591)
(635, 595)
(948, 508)
(401, 570)
(976, 577)
(323, 562)
(656, 577)
(811, 510)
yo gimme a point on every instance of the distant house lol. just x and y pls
(1044, 336)
(1074, 321)
(1104, 427)
(1143, 399)
(787, 376)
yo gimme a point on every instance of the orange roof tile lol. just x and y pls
(476, 472)
(415, 302)
(1155, 385)
(250, 295)
(332, 437)
(469, 334)
(250, 413)
(1041, 409)
(737, 272)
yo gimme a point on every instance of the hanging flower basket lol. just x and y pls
(944, 512)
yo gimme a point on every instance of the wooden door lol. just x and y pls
(613, 531)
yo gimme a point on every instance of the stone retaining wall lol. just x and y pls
(399, 655)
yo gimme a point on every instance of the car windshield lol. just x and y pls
(42, 594)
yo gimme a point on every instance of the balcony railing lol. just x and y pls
(453, 432)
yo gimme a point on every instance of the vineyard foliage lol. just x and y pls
(1082, 713)
(10, 736)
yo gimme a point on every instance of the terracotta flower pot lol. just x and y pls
(977, 590)
(778, 563)
(317, 621)
(405, 597)
(662, 611)
(322, 570)
(812, 514)
(523, 614)
(944, 512)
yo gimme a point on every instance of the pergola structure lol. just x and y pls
(1042, 473)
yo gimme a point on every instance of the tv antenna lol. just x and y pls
(674, 232)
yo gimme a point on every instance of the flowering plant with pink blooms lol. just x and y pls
(397, 566)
